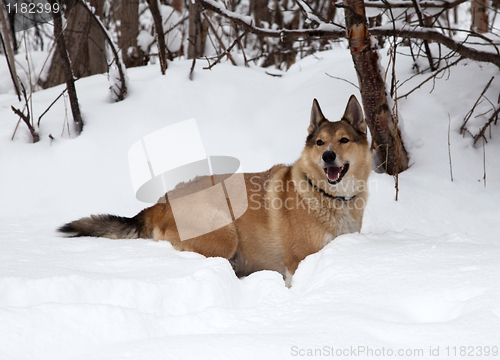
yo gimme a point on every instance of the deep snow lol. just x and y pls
(420, 277)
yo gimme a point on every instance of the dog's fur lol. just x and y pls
(293, 211)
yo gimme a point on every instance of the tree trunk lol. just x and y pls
(160, 37)
(479, 16)
(260, 11)
(118, 89)
(66, 67)
(197, 31)
(386, 137)
(85, 45)
(132, 54)
(9, 53)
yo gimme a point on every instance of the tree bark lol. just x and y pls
(160, 38)
(9, 53)
(66, 66)
(118, 90)
(132, 54)
(197, 31)
(260, 11)
(479, 16)
(386, 136)
(85, 46)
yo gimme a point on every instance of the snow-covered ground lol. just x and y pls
(420, 280)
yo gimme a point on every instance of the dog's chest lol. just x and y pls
(338, 222)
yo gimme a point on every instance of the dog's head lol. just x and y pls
(337, 155)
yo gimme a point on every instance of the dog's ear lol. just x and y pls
(317, 117)
(354, 114)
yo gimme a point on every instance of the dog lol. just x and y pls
(293, 211)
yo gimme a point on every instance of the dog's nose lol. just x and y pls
(329, 157)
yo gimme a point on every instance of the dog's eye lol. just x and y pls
(320, 142)
(344, 140)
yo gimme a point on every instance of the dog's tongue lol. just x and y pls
(333, 172)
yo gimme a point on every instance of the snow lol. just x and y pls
(421, 275)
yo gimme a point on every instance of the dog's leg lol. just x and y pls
(288, 278)
(219, 243)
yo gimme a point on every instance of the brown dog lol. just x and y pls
(293, 211)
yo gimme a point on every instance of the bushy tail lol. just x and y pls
(108, 226)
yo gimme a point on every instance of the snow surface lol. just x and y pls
(422, 274)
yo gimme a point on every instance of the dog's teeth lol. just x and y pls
(333, 173)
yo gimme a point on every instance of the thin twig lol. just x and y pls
(424, 4)
(219, 39)
(449, 146)
(493, 118)
(26, 117)
(191, 72)
(431, 77)
(53, 102)
(471, 111)
(484, 161)
(426, 43)
(219, 58)
(347, 81)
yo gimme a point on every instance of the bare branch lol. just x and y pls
(347, 81)
(326, 31)
(53, 102)
(219, 39)
(332, 31)
(426, 43)
(433, 35)
(471, 111)
(312, 15)
(407, 4)
(493, 118)
(449, 146)
(431, 77)
(225, 52)
(153, 7)
(26, 117)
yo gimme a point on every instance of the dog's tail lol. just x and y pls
(108, 226)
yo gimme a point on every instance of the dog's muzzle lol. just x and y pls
(333, 173)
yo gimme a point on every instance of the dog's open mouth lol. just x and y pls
(335, 174)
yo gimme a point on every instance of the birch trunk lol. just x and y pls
(386, 136)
